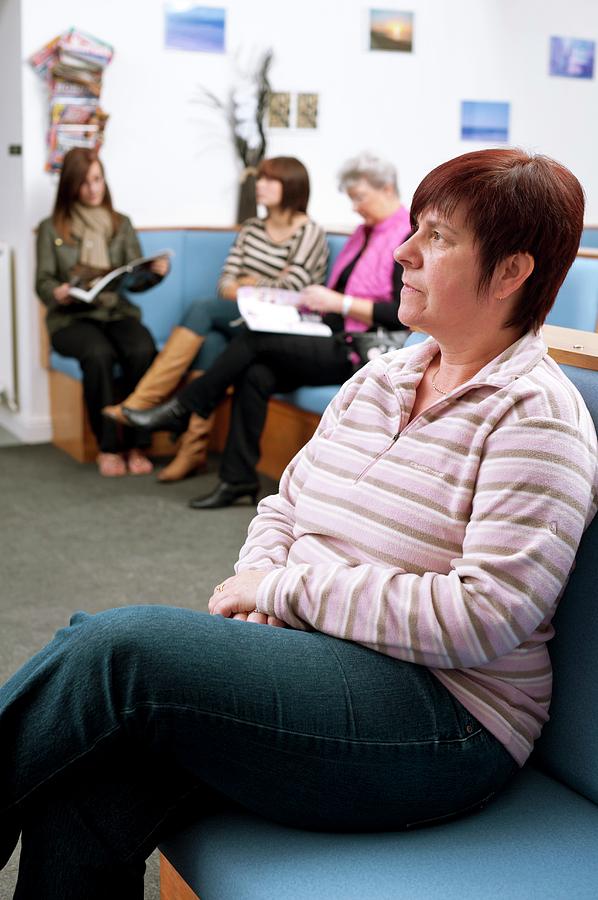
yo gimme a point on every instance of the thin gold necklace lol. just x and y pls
(435, 386)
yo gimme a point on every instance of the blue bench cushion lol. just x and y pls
(311, 399)
(568, 746)
(589, 236)
(205, 254)
(512, 849)
(195, 269)
(65, 364)
(576, 305)
(163, 304)
(336, 242)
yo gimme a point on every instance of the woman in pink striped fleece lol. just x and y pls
(415, 552)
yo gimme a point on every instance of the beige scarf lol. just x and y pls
(93, 226)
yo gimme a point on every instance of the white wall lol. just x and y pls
(32, 421)
(169, 159)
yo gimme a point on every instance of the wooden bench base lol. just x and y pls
(71, 430)
(287, 428)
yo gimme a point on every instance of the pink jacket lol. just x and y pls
(372, 276)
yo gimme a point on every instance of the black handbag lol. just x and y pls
(370, 344)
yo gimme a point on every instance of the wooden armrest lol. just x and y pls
(571, 346)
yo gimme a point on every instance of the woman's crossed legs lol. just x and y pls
(130, 718)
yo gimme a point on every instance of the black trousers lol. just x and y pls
(98, 346)
(259, 365)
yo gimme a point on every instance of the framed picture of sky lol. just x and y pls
(483, 120)
(191, 27)
(571, 57)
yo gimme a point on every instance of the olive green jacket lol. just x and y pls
(55, 262)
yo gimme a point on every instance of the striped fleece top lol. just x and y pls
(445, 541)
(290, 264)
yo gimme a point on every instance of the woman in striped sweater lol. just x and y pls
(286, 250)
(363, 293)
(416, 553)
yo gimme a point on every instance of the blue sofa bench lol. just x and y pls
(199, 254)
(537, 839)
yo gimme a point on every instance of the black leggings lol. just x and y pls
(98, 346)
(259, 365)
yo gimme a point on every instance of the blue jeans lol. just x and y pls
(211, 318)
(133, 719)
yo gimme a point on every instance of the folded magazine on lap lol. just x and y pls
(101, 283)
(279, 311)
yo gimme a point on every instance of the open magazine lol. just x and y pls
(100, 284)
(276, 310)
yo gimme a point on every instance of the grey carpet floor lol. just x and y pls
(71, 540)
(7, 438)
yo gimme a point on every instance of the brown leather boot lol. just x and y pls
(193, 451)
(163, 375)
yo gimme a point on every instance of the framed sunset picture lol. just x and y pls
(391, 30)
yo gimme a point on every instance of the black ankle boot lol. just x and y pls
(225, 495)
(169, 416)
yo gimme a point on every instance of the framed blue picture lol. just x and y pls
(571, 57)
(198, 28)
(483, 120)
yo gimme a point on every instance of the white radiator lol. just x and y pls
(8, 375)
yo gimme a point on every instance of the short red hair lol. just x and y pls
(514, 202)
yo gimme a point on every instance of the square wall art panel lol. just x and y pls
(483, 120)
(307, 110)
(391, 30)
(572, 58)
(279, 109)
(198, 28)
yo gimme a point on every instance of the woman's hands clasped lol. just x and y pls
(235, 598)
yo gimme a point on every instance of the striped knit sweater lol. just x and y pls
(291, 264)
(447, 540)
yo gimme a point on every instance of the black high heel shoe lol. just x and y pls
(169, 416)
(225, 495)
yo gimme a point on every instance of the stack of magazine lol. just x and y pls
(72, 65)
